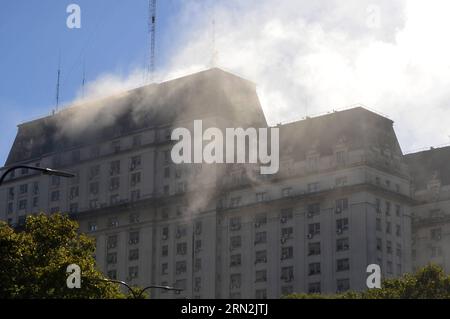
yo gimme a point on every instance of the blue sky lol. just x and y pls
(113, 38)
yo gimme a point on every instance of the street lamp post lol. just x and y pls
(141, 291)
(45, 171)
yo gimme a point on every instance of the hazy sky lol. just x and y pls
(307, 57)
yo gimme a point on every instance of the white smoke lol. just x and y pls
(309, 57)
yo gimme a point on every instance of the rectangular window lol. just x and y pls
(261, 257)
(313, 209)
(313, 230)
(341, 225)
(343, 285)
(114, 168)
(342, 244)
(260, 220)
(133, 238)
(181, 249)
(133, 272)
(341, 205)
(111, 242)
(133, 254)
(235, 223)
(286, 192)
(261, 276)
(314, 288)
(313, 249)
(235, 242)
(235, 260)
(287, 274)
(286, 215)
(260, 238)
(313, 269)
(287, 253)
(342, 264)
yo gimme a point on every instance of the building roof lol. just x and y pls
(427, 165)
(355, 128)
(213, 92)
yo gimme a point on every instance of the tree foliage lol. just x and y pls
(429, 282)
(33, 261)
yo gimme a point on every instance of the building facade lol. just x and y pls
(342, 199)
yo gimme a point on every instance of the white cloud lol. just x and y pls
(312, 57)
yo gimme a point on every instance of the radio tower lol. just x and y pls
(57, 83)
(152, 33)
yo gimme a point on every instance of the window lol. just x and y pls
(313, 249)
(343, 285)
(135, 195)
(313, 187)
(165, 251)
(235, 201)
(388, 227)
(137, 140)
(181, 249)
(261, 276)
(114, 199)
(260, 238)
(11, 193)
(135, 179)
(261, 257)
(379, 244)
(94, 171)
(314, 288)
(313, 209)
(313, 230)
(436, 251)
(113, 222)
(235, 281)
(114, 168)
(261, 197)
(134, 218)
(287, 253)
(398, 250)
(23, 189)
(10, 208)
(342, 244)
(93, 203)
(388, 209)
(92, 226)
(341, 225)
(286, 215)
(111, 258)
(74, 192)
(341, 205)
(198, 264)
(235, 223)
(398, 230)
(55, 196)
(22, 204)
(35, 190)
(73, 208)
(167, 172)
(133, 254)
(198, 245)
(389, 247)
(114, 183)
(133, 238)
(260, 220)
(377, 205)
(111, 242)
(378, 224)
(112, 274)
(165, 233)
(287, 274)
(389, 267)
(261, 294)
(286, 192)
(235, 260)
(342, 264)
(56, 180)
(181, 231)
(115, 146)
(341, 181)
(197, 283)
(93, 188)
(235, 242)
(286, 234)
(313, 269)
(133, 272)
(340, 157)
(436, 233)
(397, 210)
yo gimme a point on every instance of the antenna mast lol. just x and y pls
(57, 83)
(152, 33)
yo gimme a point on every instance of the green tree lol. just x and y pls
(33, 261)
(429, 282)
